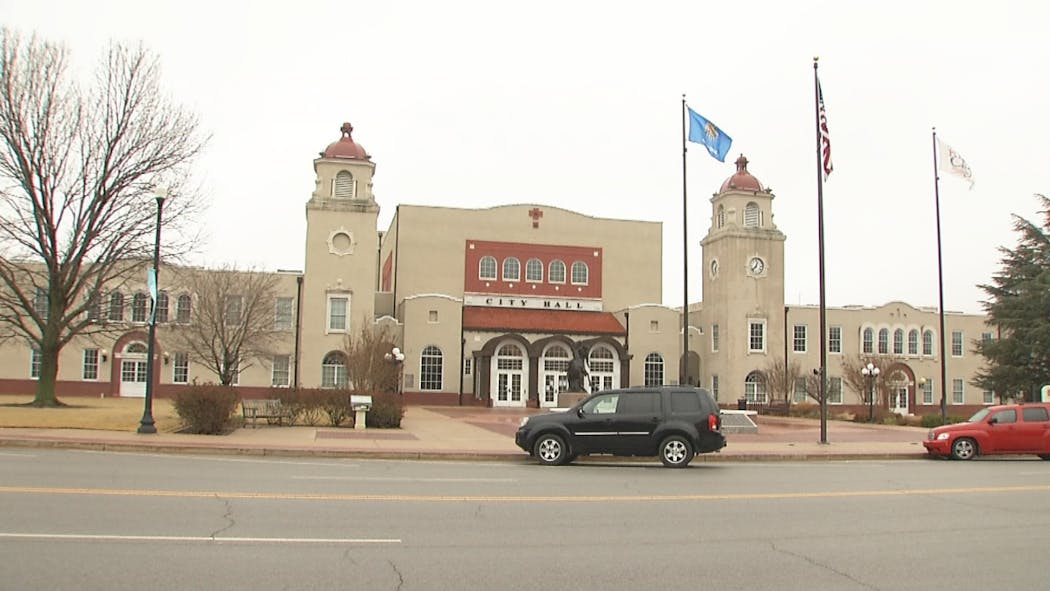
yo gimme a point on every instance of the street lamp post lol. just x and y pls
(396, 357)
(147, 425)
(871, 372)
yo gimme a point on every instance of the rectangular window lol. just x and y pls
(654, 326)
(281, 374)
(927, 391)
(987, 337)
(90, 364)
(162, 307)
(800, 394)
(988, 397)
(183, 308)
(432, 316)
(40, 302)
(282, 314)
(958, 395)
(466, 366)
(834, 339)
(957, 343)
(233, 310)
(799, 340)
(714, 338)
(756, 342)
(714, 386)
(834, 390)
(338, 306)
(139, 307)
(181, 372)
(34, 364)
(235, 377)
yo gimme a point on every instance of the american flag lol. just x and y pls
(825, 137)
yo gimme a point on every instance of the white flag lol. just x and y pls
(953, 163)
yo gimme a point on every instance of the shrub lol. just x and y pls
(206, 409)
(335, 404)
(306, 405)
(930, 421)
(387, 411)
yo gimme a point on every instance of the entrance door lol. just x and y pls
(509, 377)
(900, 400)
(133, 371)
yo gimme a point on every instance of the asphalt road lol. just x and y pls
(94, 520)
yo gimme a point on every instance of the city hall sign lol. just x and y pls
(533, 303)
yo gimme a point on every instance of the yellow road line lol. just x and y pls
(513, 499)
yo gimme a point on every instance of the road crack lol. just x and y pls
(227, 515)
(826, 567)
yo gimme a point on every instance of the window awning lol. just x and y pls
(549, 321)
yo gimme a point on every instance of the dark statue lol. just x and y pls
(577, 371)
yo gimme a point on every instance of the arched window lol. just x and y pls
(345, 185)
(913, 342)
(183, 308)
(752, 215)
(602, 367)
(162, 306)
(927, 343)
(510, 376)
(579, 273)
(116, 306)
(534, 271)
(556, 272)
(511, 269)
(139, 307)
(430, 368)
(487, 268)
(654, 370)
(868, 341)
(884, 341)
(720, 217)
(554, 366)
(136, 348)
(755, 388)
(333, 370)
(898, 342)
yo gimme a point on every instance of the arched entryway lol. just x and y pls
(554, 365)
(133, 366)
(510, 375)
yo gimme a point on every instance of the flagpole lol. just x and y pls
(822, 388)
(684, 370)
(940, 281)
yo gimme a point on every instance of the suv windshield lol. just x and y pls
(978, 416)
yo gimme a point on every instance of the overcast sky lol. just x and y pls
(578, 105)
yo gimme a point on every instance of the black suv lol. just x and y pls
(673, 422)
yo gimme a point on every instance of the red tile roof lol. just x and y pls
(552, 321)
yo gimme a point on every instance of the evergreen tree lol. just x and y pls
(1019, 305)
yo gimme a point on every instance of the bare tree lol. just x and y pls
(78, 170)
(367, 365)
(232, 321)
(780, 379)
(855, 380)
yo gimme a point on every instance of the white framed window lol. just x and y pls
(927, 391)
(957, 343)
(714, 386)
(556, 272)
(834, 339)
(834, 390)
(180, 372)
(431, 369)
(94, 308)
(467, 366)
(35, 359)
(534, 271)
(898, 341)
(183, 308)
(344, 186)
(283, 318)
(987, 337)
(755, 388)
(580, 273)
(333, 370)
(958, 394)
(720, 217)
(988, 397)
(868, 341)
(800, 393)
(90, 368)
(715, 338)
(799, 340)
(756, 336)
(40, 302)
(162, 307)
(913, 342)
(752, 215)
(511, 269)
(281, 375)
(884, 341)
(139, 307)
(116, 307)
(927, 343)
(487, 268)
(338, 313)
(654, 370)
(235, 372)
(233, 309)
(604, 368)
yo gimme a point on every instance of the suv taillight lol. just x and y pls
(713, 423)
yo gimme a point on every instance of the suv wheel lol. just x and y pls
(964, 448)
(676, 452)
(550, 450)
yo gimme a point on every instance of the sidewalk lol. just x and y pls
(475, 433)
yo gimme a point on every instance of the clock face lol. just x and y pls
(757, 265)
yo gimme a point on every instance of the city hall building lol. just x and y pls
(489, 306)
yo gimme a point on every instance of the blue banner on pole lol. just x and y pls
(151, 282)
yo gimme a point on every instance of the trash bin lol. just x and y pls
(741, 403)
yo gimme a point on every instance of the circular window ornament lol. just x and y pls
(714, 268)
(340, 242)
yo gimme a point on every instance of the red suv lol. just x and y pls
(1005, 429)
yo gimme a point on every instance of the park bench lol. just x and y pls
(777, 408)
(269, 409)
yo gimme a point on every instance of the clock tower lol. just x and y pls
(743, 285)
